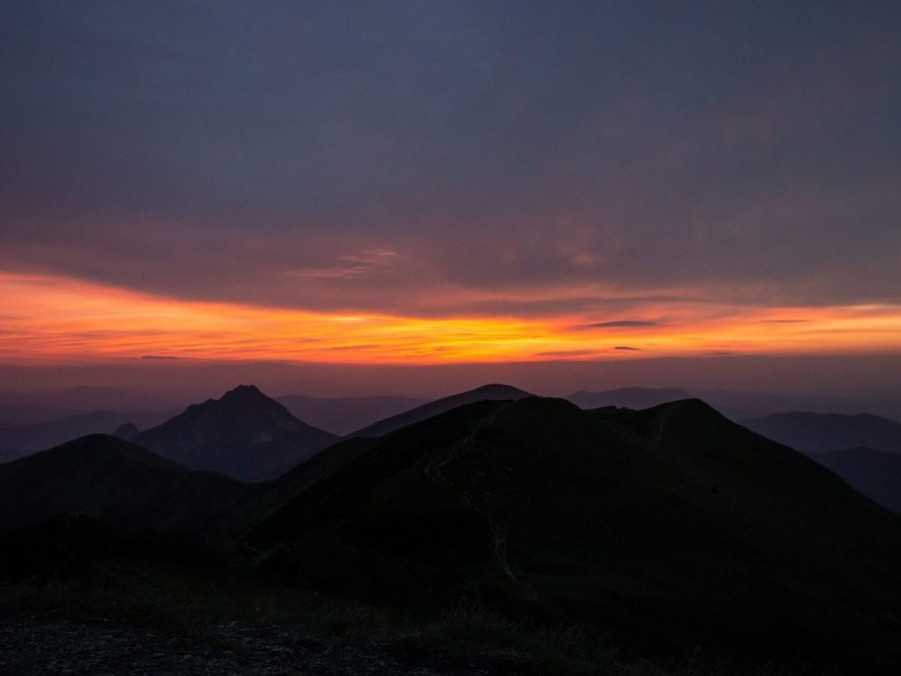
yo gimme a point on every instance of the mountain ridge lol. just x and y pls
(344, 415)
(875, 473)
(488, 392)
(244, 434)
(627, 397)
(822, 432)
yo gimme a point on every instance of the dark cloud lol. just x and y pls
(556, 354)
(627, 348)
(621, 324)
(158, 357)
(220, 150)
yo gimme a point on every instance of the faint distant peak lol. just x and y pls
(628, 397)
(126, 431)
(499, 389)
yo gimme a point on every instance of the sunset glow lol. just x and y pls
(58, 319)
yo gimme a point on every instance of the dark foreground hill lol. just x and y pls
(673, 528)
(823, 432)
(492, 392)
(245, 434)
(117, 483)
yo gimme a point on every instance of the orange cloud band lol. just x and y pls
(48, 318)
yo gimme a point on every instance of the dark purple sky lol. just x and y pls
(201, 149)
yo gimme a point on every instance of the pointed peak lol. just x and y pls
(245, 392)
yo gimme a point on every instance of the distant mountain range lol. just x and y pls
(627, 397)
(17, 440)
(876, 474)
(820, 433)
(863, 449)
(736, 405)
(244, 434)
(343, 415)
(250, 436)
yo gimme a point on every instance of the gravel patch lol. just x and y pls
(32, 647)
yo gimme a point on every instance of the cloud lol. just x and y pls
(627, 348)
(385, 170)
(159, 357)
(567, 353)
(621, 324)
(350, 266)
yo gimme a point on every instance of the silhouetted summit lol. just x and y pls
(246, 395)
(244, 434)
(490, 392)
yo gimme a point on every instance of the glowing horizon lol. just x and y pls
(53, 318)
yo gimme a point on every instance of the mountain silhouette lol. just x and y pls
(343, 415)
(671, 525)
(627, 397)
(18, 440)
(822, 432)
(492, 392)
(245, 434)
(127, 431)
(112, 480)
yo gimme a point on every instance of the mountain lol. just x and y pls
(343, 415)
(493, 392)
(245, 434)
(671, 526)
(115, 481)
(127, 431)
(17, 440)
(876, 474)
(822, 432)
(626, 397)
(863, 449)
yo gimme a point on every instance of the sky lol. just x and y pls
(439, 183)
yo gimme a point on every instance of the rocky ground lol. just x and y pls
(32, 647)
(77, 648)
